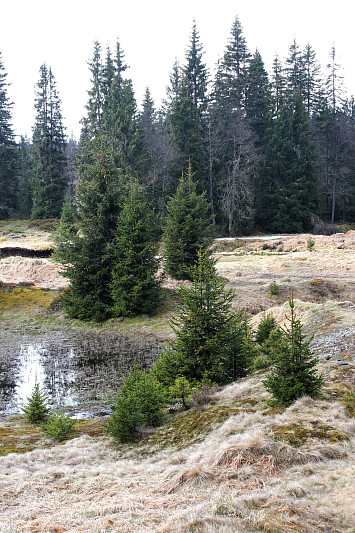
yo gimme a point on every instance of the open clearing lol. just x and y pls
(232, 465)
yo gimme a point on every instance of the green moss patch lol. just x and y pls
(299, 434)
(25, 298)
(191, 427)
(17, 436)
(348, 400)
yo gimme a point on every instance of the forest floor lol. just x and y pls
(233, 464)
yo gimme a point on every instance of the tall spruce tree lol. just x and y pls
(8, 152)
(120, 115)
(86, 255)
(232, 150)
(25, 177)
(312, 83)
(188, 113)
(135, 288)
(187, 228)
(287, 187)
(258, 102)
(158, 154)
(50, 166)
(234, 66)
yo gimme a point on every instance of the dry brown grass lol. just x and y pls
(235, 465)
(239, 477)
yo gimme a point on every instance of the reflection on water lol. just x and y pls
(80, 372)
(31, 371)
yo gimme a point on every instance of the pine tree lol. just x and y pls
(294, 371)
(86, 257)
(258, 102)
(187, 228)
(8, 152)
(211, 343)
(50, 166)
(25, 177)
(135, 288)
(287, 187)
(187, 114)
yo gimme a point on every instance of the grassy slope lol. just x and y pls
(233, 465)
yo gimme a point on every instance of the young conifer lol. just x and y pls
(187, 229)
(294, 372)
(135, 288)
(211, 344)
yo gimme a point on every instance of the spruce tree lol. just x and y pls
(211, 343)
(135, 288)
(86, 256)
(187, 228)
(50, 166)
(187, 113)
(287, 186)
(233, 156)
(119, 117)
(258, 102)
(8, 152)
(294, 369)
(25, 177)
(234, 66)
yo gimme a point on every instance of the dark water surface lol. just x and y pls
(81, 372)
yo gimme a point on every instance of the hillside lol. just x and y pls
(230, 464)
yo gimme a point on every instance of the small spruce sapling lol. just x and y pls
(58, 426)
(265, 327)
(294, 371)
(310, 244)
(36, 409)
(139, 405)
(274, 289)
(182, 390)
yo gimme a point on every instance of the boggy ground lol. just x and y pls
(233, 464)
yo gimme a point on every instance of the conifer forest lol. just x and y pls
(269, 150)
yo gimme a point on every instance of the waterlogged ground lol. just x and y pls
(81, 372)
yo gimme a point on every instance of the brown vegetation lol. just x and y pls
(231, 464)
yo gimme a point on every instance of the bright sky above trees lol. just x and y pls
(152, 34)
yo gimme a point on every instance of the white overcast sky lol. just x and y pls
(152, 34)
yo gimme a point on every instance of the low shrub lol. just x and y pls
(58, 426)
(274, 289)
(310, 244)
(265, 327)
(139, 405)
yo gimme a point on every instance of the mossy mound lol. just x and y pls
(18, 436)
(25, 298)
(299, 434)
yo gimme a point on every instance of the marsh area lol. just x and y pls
(81, 372)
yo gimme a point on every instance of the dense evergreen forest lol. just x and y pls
(268, 151)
